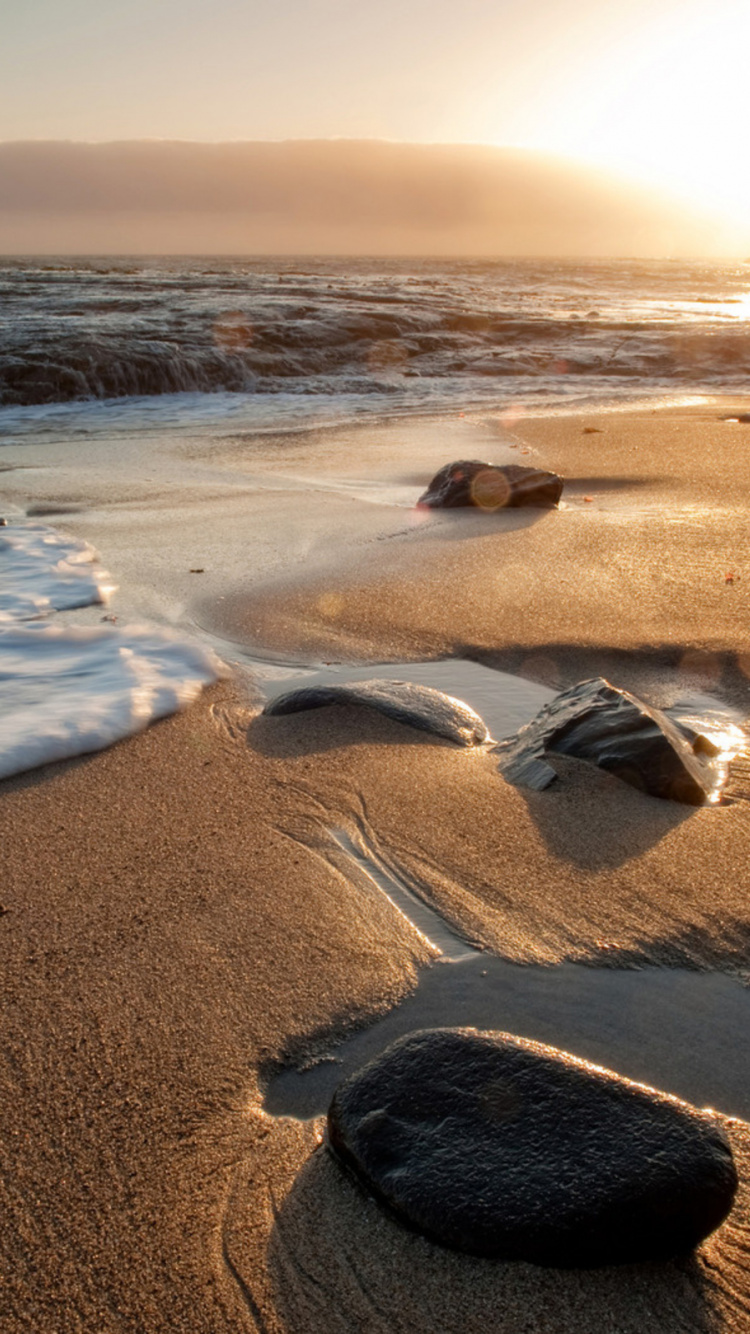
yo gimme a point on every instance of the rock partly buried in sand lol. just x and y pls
(417, 706)
(506, 1148)
(490, 487)
(596, 721)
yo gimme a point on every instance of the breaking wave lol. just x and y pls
(84, 330)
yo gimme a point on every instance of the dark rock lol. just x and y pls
(596, 721)
(417, 706)
(503, 1147)
(489, 487)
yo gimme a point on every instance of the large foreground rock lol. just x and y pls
(503, 1147)
(618, 732)
(490, 487)
(417, 706)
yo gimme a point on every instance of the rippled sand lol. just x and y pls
(174, 926)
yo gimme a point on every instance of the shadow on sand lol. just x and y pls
(595, 821)
(315, 731)
(337, 1262)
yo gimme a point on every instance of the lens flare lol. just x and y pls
(387, 358)
(232, 331)
(330, 605)
(489, 490)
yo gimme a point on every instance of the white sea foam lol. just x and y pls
(67, 691)
(44, 571)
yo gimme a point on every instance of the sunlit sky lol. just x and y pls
(656, 89)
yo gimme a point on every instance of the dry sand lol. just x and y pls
(174, 926)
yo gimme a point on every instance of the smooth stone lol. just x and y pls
(417, 706)
(506, 1148)
(488, 486)
(618, 732)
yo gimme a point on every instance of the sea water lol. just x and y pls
(170, 341)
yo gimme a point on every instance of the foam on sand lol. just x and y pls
(46, 571)
(67, 691)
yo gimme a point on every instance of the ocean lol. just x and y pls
(157, 352)
(182, 341)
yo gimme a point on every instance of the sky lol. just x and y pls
(656, 89)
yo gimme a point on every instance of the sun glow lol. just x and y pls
(667, 102)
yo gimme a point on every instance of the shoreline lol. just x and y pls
(174, 927)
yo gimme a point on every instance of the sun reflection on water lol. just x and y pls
(738, 308)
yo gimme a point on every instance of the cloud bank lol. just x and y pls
(328, 197)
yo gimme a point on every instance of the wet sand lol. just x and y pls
(176, 927)
(654, 519)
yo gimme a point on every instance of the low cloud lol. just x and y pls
(335, 197)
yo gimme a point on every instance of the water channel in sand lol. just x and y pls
(685, 1032)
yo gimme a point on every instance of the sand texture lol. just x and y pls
(640, 565)
(309, 1250)
(177, 923)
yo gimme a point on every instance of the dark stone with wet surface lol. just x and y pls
(416, 706)
(488, 486)
(596, 721)
(506, 1148)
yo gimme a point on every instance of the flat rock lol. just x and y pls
(416, 706)
(503, 1147)
(618, 732)
(488, 486)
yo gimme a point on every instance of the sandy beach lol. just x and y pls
(179, 923)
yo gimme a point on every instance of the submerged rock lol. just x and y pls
(503, 1147)
(618, 732)
(417, 706)
(490, 487)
